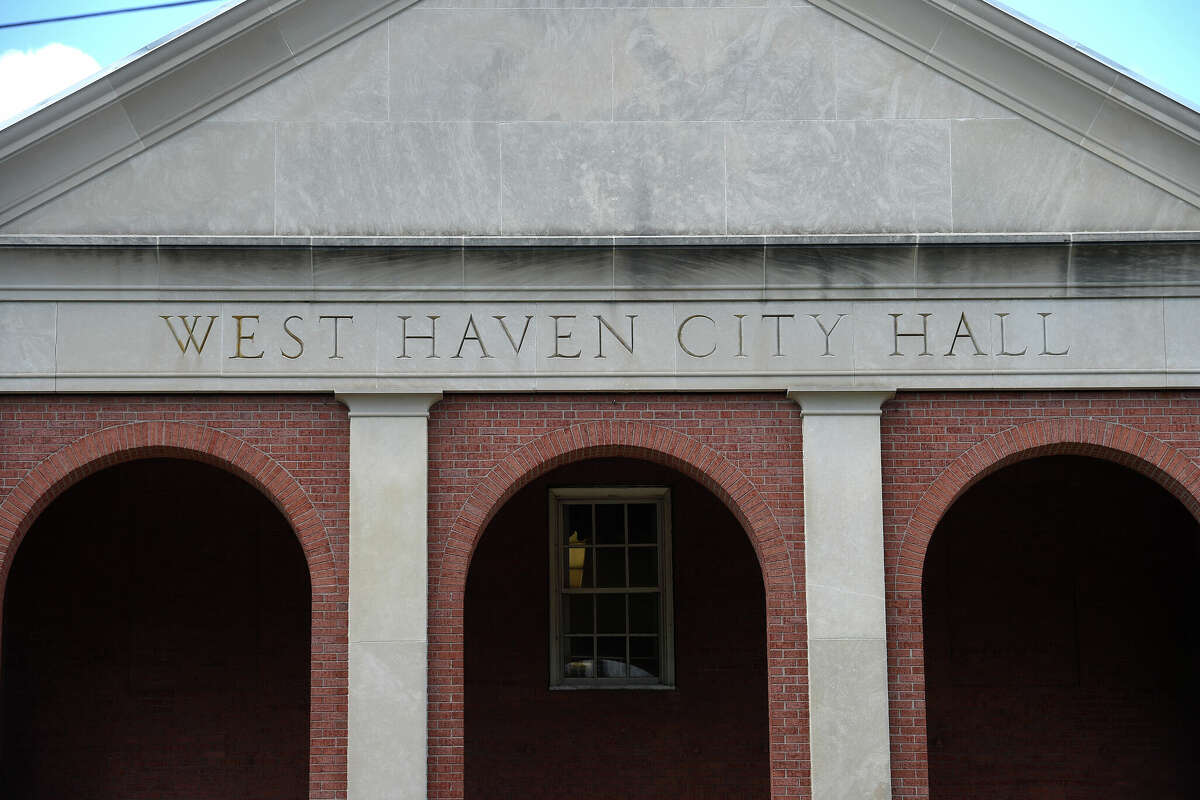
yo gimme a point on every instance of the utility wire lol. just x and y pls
(101, 13)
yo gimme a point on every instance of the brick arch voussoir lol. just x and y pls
(109, 447)
(1121, 444)
(617, 439)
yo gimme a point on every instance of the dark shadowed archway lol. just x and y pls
(156, 641)
(1061, 625)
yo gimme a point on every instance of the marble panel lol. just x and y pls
(307, 23)
(474, 339)
(133, 339)
(644, 267)
(837, 612)
(517, 267)
(388, 536)
(966, 265)
(1180, 316)
(64, 153)
(1011, 175)
(833, 268)
(387, 178)
(78, 266)
(28, 332)
(213, 178)
(876, 81)
(386, 745)
(346, 84)
(221, 267)
(588, 178)
(1158, 148)
(387, 267)
(1121, 264)
(301, 339)
(723, 64)
(501, 65)
(203, 79)
(845, 177)
(974, 53)
(552, 338)
(916, 24)
(1077, 335)
(843, 541)
(763, 338)
(848, 718)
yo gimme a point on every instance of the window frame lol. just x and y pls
(614, 494)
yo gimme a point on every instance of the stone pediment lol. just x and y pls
(451, 118)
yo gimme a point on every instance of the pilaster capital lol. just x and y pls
(841, 402)
(389, 404)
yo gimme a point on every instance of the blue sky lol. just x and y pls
(106, 39)
(1158, 40)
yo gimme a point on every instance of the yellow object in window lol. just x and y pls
(575, 559)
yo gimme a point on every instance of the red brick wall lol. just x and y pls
(935, 445)
(293, 448)
(704, 740)
(745, 448)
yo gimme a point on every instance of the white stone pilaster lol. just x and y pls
(844, 584)
(388, 595)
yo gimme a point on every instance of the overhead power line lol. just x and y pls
(108, 13)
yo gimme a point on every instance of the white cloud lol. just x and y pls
(27, 77)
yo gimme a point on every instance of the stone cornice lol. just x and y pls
(842, 239)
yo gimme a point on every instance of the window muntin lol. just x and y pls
(610, 587)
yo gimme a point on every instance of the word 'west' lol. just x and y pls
(568, 337)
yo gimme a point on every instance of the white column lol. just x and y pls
(844, 585)
(389, 479)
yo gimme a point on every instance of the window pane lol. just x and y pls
(610, 613)
(579, 523)
(610, 567)
(643, 523)
(580, 658)
(610, 623)
(578, 614)
(611, 657)
(577, 567)
(644, 657)
(643, 613)
(643, 566)
(610, 523)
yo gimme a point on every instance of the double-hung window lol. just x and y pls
(610, 587)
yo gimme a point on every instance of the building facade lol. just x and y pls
(472, 399)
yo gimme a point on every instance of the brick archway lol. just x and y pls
(124, 443)
(1126, 446)
(645, 441)
(1109, 441)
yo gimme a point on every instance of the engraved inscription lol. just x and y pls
(684, 347)
(189, 338)
(966, 336)
(244, 336)
(773, 336)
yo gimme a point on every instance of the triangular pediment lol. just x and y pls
(449, 118)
